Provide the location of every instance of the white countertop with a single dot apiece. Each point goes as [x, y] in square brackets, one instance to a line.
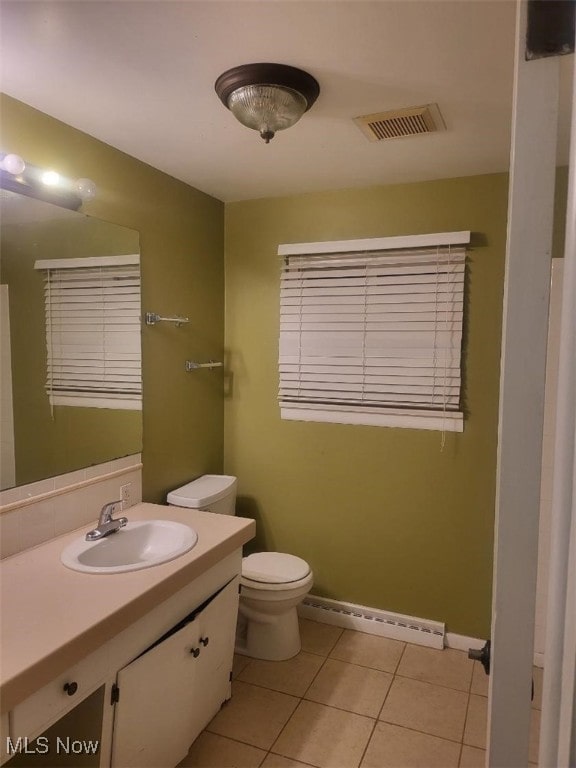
[52, 617]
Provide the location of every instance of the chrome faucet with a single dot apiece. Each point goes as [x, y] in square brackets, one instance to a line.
[106, 523]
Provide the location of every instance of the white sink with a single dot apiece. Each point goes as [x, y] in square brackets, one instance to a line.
[138, 545]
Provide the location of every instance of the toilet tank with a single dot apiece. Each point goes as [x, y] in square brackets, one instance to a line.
[210, 493]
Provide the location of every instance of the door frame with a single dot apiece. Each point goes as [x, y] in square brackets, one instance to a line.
[521, 416]
[558, 728]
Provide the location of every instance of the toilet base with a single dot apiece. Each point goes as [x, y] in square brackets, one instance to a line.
[270, 637]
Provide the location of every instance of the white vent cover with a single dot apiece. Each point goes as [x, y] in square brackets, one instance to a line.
[411, 121]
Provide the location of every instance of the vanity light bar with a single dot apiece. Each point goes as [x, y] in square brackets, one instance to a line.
[16, 175]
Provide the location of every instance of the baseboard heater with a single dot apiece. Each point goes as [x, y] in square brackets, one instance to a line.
[373, 621]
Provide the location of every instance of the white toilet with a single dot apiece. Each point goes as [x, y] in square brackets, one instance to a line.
[272, 583]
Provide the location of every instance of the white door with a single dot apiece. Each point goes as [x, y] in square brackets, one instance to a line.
[530, 215]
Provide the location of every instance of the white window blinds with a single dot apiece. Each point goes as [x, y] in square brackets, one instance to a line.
[373, 337]
[93, 331]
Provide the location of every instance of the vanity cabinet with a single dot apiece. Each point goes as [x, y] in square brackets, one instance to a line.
[164, 677]
[60, 696]
[170, 692]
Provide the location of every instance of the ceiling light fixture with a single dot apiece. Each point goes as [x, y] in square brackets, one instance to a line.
[267, 97]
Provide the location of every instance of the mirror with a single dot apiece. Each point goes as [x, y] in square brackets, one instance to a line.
[37, 441]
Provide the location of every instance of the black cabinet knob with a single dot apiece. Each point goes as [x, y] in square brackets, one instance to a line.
[71, 688]
[195, 652]
[204, 641]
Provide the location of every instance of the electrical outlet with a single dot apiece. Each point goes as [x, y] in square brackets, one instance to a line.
[126, 495]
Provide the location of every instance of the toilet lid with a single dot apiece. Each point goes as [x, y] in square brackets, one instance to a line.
[274, 568]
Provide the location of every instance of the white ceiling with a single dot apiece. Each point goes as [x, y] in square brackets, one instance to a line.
[139, 75]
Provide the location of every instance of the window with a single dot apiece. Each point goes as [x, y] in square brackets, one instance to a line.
[93, 331]
[371, 331]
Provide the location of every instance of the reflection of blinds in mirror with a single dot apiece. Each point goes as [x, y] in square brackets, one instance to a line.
[93, 331]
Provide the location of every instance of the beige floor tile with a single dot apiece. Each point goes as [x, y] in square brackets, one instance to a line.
[394, 747]
[253, 715]
[442, 667]
[537, 675]
[240, 662]
[479, 680]
[317, 637]
[324, 737]
[277, 761]
[350, 687]
[472, 757]
[368, 650]
[476, 722]
[292, 676]
[212, 751]
[432, 709]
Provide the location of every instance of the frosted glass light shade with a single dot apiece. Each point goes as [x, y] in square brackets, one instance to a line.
[267, 97]
[85, 188]
[267, 108]
[13, 164]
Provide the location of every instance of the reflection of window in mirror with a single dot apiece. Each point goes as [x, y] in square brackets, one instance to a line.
[92, 308]
[52, 440]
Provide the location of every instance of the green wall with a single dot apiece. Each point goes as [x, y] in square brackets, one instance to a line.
[181, 245]
[386, 517]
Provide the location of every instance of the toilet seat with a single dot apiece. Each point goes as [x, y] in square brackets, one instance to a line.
[272, 570]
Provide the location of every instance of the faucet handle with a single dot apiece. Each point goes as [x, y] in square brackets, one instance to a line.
[108, 510]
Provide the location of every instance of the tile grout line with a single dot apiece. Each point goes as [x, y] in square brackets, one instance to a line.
[368, 742]
[297, 706]
[425, 733]
[394, 675]
[467, 710]
[280, 732]
[377, 719]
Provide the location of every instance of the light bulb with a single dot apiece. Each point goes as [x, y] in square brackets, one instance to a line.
[85, 188]
[13, 164]
[50, 178]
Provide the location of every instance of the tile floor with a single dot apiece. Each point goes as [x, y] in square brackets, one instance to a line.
[350, 699]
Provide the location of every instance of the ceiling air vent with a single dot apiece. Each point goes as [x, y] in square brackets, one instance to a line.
[410, 121]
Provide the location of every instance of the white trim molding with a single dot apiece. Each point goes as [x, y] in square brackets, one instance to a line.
[375, 244]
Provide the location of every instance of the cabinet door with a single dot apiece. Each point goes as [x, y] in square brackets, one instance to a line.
[152, 722]
[171, 692]
[216, 631]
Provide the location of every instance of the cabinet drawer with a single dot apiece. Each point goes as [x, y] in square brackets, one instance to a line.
[48, 704]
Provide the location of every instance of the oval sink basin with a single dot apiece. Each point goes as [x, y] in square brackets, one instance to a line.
[138, 545]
